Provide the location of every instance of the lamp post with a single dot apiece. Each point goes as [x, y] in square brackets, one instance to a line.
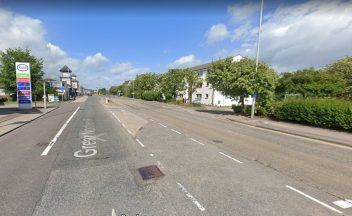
[44, 96]
[257, 57]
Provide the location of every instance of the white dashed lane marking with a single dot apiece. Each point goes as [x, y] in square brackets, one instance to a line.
[234, 159]
[176, 131]
[197, 141]
[140, 143]
[162, 125]
[194, 200]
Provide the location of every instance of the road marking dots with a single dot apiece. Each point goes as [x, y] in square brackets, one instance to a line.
[230, 157]
[162, 125]
[313, 199]
[176, 131]
[194, 200]
[52, 142]
[151, 155]
[152, 120]
[197, 141]
[343, 203]
[140, 143]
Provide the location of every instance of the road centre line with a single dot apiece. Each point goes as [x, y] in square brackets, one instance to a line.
[53, 141]
[230, 157]
[197, 141]
[123, 125]
[129, 131]
[176, 131]
[315, 200]
[162, 125]
[194, 200]
[140, 143]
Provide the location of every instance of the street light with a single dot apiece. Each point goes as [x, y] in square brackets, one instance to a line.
[257, 59]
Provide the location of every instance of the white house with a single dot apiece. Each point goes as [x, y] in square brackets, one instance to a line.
[207, 95]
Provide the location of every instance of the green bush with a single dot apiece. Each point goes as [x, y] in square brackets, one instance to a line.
[237, 109]
[179, 101]
[151, 96]
[327, 113]
[3, 100]
[196, 104]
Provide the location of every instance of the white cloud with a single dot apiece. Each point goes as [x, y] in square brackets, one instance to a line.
[241, 12]
[313, 33]
[185, 61]
[93, 71]
[216, 33]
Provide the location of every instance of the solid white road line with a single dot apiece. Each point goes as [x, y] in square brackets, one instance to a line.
[162, 125]
[197, 141]
[315, 200]
[113, 213]
[176, 131]
[140, 143]
[52, 142]
[194, 200]
[230, 157]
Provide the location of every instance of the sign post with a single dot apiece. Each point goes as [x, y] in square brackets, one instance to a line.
[24, 91]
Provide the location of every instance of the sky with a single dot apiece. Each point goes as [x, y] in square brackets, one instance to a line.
[108, 42]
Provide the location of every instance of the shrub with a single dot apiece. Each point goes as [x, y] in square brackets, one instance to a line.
[3, 100]
[327, 113]
[237, 109]
[151, 96]
[179, 101]
[196, 104]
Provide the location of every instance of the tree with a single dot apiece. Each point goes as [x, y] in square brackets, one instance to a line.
[193, 81]
[172, 82]
[240, 79]
[343, 69]
[8, 68]
[310, 83]
[102, 91]
[146, 82]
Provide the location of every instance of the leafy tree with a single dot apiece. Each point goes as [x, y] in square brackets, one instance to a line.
[102, 91]
[193, 82]
[172, 82]
[145, 82]
[343, 68]
[8, 58]
[240, 79]
[115, 90]
[310, 83]
[37, 94]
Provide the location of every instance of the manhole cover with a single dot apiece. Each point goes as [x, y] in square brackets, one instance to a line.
[217, 141]
[150, 172]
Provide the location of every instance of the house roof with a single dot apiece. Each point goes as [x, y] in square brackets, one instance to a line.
[65, 69]
[207, 65]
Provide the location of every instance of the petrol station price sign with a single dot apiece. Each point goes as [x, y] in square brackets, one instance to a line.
[24, 91]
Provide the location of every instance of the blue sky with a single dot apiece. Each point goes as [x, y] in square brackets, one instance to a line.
[108, 42]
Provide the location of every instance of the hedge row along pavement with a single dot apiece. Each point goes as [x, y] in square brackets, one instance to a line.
[327, 113]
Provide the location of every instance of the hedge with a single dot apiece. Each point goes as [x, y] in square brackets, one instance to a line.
[327, 113]
[237, 109]
[151, 96]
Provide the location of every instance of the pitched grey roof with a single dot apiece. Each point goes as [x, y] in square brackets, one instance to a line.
[65, 69]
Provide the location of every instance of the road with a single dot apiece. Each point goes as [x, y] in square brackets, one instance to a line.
[84, 158]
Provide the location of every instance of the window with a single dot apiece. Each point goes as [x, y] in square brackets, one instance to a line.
[199, 96]
[207, 84]
[206, 96]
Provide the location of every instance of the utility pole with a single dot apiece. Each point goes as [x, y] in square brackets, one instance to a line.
[257, 59]
[44, 94]
[133, 88]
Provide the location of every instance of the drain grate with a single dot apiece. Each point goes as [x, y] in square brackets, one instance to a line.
[150, 172]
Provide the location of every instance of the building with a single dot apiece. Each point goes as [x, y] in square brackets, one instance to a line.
[207, 95]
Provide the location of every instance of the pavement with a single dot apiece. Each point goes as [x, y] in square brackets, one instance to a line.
[84, 159]
[12, 118]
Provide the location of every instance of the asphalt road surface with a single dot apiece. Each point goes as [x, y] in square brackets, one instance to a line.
[84, 159]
